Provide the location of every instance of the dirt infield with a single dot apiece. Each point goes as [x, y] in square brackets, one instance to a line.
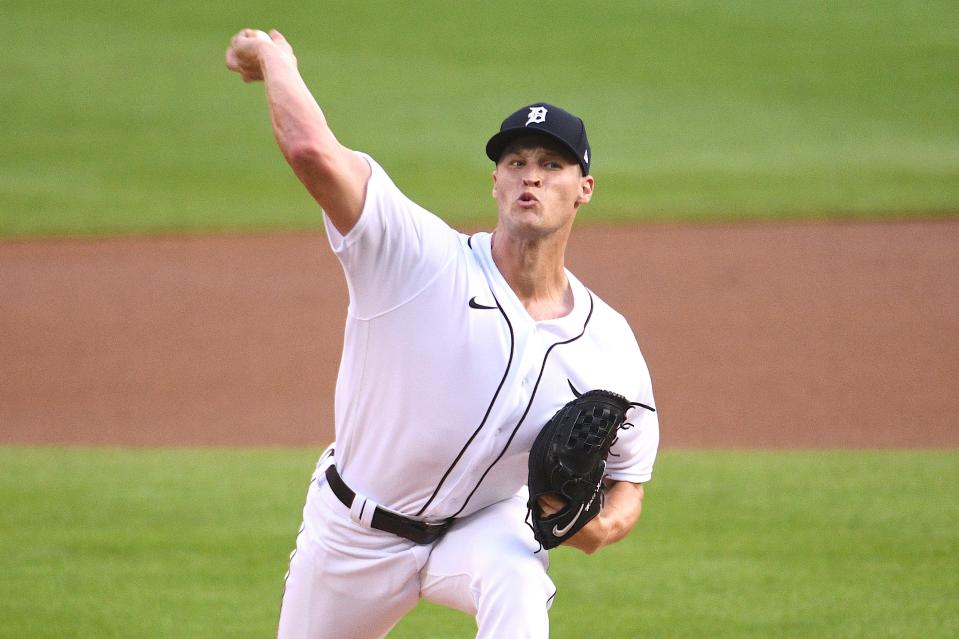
[758, 336]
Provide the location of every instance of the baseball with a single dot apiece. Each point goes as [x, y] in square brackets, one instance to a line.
[263, 35]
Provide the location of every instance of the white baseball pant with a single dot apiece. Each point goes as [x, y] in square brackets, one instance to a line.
[348, 581]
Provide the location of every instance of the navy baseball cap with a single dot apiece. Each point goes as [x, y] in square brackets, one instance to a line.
[548, 120]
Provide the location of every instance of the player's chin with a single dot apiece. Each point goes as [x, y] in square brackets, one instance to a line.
[527, 216]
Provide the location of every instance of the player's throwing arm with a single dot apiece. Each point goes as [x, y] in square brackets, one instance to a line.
[334, 175]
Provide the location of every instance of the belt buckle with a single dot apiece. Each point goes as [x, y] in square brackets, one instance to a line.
[432, 530]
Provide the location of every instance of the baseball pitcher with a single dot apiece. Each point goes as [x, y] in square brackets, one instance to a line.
[489, 406]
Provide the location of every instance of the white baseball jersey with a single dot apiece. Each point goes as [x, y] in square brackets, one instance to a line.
[446, 380]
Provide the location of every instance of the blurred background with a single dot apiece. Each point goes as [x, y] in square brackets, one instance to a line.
[120, 117]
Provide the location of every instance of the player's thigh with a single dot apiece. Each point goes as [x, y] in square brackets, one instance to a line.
[491, 553]
[345, 581]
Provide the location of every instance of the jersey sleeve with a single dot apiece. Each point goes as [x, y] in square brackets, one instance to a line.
[394, 251]
[632, 457]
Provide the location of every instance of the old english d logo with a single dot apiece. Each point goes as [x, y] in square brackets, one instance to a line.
[537, 114]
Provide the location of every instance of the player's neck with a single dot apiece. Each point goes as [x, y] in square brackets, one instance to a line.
[534, 269]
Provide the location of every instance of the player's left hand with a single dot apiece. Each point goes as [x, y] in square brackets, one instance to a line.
[589, 538]
[247, 48]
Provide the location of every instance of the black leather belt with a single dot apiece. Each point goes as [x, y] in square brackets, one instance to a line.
[419, 532]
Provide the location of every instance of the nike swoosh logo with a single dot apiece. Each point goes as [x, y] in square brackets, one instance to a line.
[475, 304]
[559, 532]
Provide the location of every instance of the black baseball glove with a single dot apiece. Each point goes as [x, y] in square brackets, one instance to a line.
[568, 460]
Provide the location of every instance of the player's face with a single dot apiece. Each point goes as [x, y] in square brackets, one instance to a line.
[538, 188]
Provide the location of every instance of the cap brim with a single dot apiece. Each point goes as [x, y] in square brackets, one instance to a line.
[498, 143]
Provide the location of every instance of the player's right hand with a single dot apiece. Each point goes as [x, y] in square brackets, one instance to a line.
[247, 48]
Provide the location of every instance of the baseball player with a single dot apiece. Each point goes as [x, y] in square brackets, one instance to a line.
[457, 350]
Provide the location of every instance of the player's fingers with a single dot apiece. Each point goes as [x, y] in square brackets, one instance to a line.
[235, 40]
[234, 63]
[232, 60]
[549, 504]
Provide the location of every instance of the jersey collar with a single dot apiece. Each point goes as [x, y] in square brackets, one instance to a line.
[564, 327]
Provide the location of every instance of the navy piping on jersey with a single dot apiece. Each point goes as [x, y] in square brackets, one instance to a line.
[529, 405]
[489, 409]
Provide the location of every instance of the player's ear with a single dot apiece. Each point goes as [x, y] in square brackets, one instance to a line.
[586, 185]
[494, 182]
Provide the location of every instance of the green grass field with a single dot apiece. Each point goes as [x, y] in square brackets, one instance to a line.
[193, 543]
[123, 119]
